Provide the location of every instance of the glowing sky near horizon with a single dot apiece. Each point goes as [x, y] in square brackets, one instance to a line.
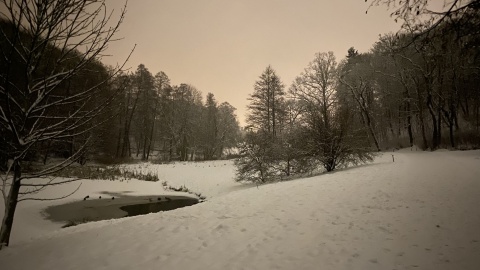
[222, 46]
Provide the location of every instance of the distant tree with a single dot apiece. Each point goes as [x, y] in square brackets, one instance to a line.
[161, 82]
[398, 95]
[127, 105]
[357, 76]
[44, 46]
[211, 128]
[168, 122]
[421, 79]
[220, 128]
[144, 117]
[351, 53]
[187, 110]
[228, 128]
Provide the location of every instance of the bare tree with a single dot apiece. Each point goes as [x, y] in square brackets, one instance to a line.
[127, 105]
[422, 16]
[46, 44]
[317, 84]
[325, 125]
[358, 80]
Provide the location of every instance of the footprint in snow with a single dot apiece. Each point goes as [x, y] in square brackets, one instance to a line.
[220, 228]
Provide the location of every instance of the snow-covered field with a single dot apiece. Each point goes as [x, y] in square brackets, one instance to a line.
[420, 212]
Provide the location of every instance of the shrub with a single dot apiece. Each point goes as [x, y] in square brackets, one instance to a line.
[105, 173]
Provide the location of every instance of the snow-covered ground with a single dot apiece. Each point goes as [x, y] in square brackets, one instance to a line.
[209, 178]
[420, 212]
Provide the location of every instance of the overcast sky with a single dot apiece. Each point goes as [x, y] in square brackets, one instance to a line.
[222, 46]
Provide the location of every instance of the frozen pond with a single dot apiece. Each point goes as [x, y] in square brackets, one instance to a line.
[110, 208]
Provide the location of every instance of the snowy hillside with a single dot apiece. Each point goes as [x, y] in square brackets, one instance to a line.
[420, 212]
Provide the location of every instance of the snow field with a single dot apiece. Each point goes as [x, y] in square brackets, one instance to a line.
[417, 213]
[212, 178]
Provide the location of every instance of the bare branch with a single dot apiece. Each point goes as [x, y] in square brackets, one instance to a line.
[51, 199]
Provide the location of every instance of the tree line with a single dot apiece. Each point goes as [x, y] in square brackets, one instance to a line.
[417, 88]
[106, 114]
[168, 122]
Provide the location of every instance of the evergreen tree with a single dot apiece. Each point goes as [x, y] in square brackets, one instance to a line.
[261, 149]
[266, 103]
[210, 130]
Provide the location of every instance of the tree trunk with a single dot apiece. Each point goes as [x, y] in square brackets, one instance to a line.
[10, 206]
[477, 115]
[422, 120]
[183, 153]
[274, 132]
[452, 139]
[45, 156]
[372, 132]
[422, 128]
[126, 139]
[151, 140]
[450, 116]
[439, 125]
[366, 119]
[72, 147]
[389, 113]
[399, 126]
[128, 121]
[144, 152]
[409, 117]
[150, 143]
[434, 122]
[409, 129]
[288, 166]
[268, 109]
[455, 119]
[137, 143]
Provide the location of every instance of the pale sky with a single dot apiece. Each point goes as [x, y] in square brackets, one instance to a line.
[222, 46]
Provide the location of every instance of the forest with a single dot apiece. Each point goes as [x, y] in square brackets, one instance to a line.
[417, 88]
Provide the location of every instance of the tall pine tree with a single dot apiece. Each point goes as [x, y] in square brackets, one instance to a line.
[266, 103]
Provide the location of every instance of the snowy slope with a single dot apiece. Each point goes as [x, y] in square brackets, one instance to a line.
[212, 178]
[420, 212]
